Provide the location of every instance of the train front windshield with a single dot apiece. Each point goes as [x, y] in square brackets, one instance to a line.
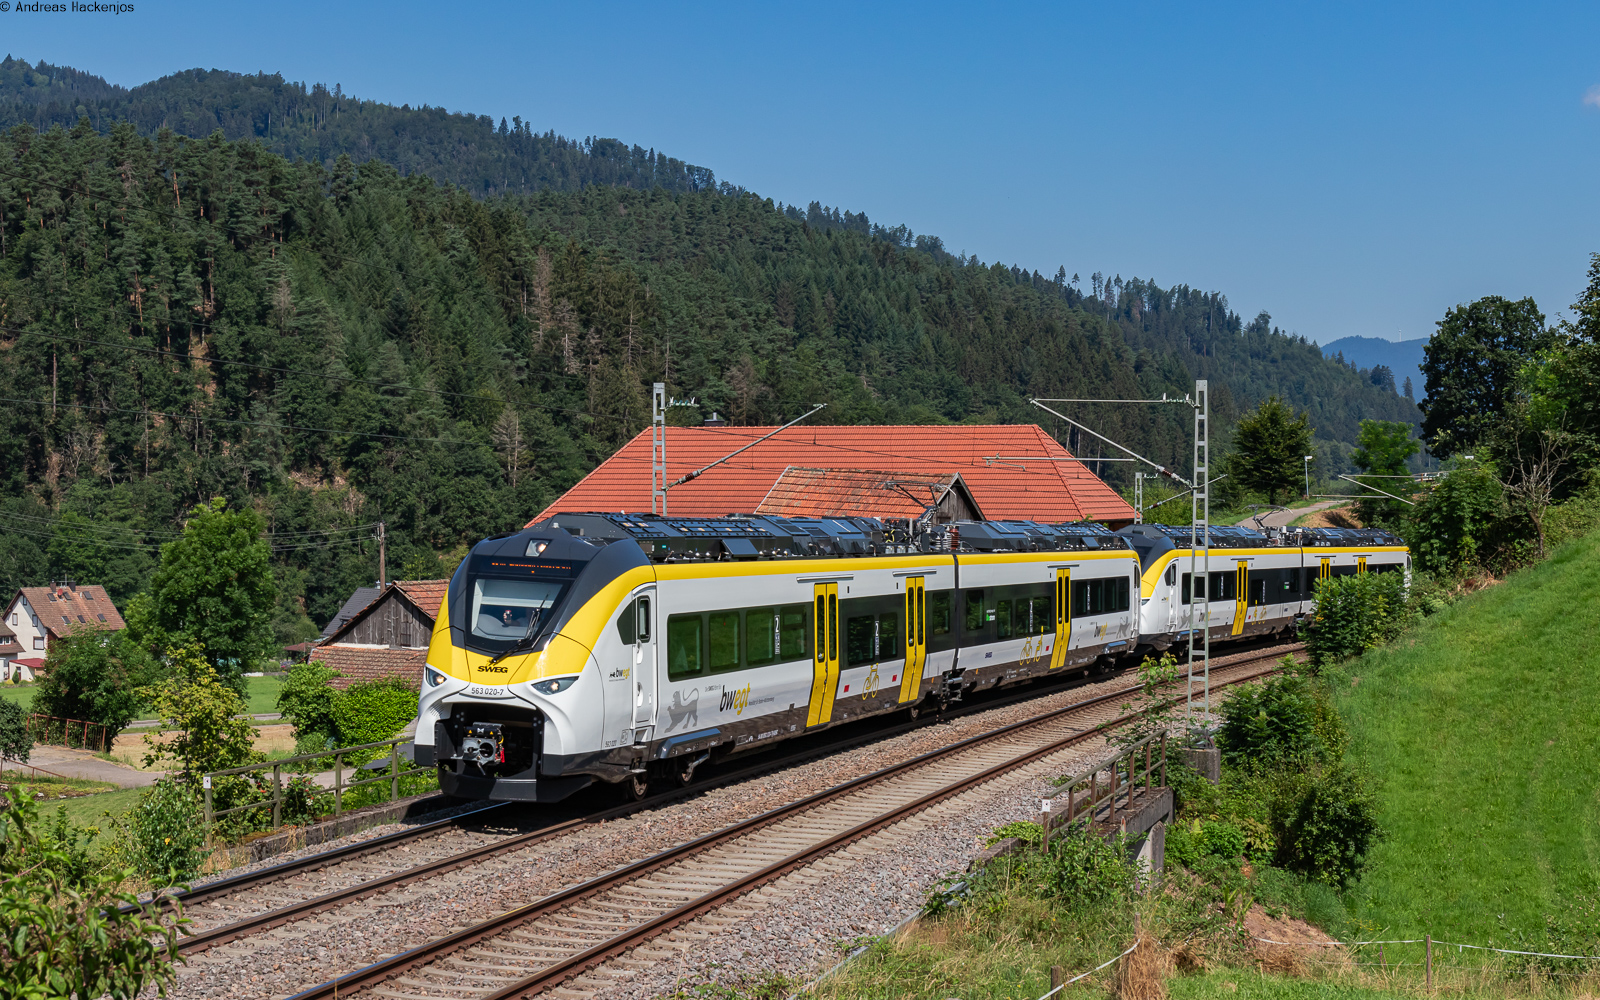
[505, 610]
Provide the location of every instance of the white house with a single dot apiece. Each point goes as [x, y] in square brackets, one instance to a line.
[37, 616]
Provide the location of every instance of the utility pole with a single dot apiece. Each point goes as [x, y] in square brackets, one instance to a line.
[1200, 532]
[1138, 498]
[382, 552]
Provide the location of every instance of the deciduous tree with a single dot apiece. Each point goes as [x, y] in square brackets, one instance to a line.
[1270, 445]
[1471, 364]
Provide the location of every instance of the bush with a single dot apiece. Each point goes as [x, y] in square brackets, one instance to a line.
[164, 835]
[303, 801]
[63, 931]
[1285, 718]
[1325, 821]
[194, 701]
[14, 740]
[1222, 839]
[307, 700]
[1462, 522]
[371, 712]
[1355, 614]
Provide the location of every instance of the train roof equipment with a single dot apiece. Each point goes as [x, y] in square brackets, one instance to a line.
[748, 536]
[1154, 540]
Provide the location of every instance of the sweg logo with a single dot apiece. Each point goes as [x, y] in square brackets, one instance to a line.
[738, 700]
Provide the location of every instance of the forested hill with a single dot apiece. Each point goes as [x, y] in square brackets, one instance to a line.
[182, 319]
[318, 124]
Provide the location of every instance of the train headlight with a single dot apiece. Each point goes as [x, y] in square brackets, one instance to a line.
[434, 677]
[554, 684]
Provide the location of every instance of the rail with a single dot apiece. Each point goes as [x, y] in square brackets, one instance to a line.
[43, 729]
[340, 786]
[1122, 765]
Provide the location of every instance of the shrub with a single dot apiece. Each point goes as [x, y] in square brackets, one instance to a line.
[1355, 614]
[1272, 721]
[307, 700]
[63, 929]
[194, 701]
[1461, 522]
[164, 835]
[373, 711]
[14, 740]
[1222, 839]
[1325, 821]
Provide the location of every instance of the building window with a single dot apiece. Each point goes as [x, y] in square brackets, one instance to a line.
[38, 642]
[102, 617]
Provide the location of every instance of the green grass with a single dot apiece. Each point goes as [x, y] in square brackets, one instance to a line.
[84, 810]
[22, 694]
[1249, 984]
[1482, 730]
[262, 693]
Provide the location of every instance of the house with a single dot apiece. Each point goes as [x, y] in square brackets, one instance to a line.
[37, 616]
[997, 471]
[388, 637]
[362, 597]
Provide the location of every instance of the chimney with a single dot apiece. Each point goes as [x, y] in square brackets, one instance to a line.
[715, 420]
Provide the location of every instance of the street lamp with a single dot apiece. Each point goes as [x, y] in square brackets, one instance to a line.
[1308, 475]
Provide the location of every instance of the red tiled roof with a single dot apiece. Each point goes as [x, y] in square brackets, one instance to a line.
[427, 595]
[801, 492]
[1023, 484]
[73, 608]
[363, 663]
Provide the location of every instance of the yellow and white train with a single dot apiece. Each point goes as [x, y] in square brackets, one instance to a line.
[632, 649]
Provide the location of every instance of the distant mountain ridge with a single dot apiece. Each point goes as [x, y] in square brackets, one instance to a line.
[1404, 357]
[318, 124]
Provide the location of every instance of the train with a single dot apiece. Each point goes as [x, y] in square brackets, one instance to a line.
[632, 649]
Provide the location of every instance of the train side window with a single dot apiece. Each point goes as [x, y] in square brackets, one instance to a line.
[723, 633]
[1123, 594]
[627, 623]
[792, 632]
[833, 626]
[760, 636]
[891, 639]
[644, 619]
[685, 658]
[975, 617]
[1183, 595]
[1172, 576]
[858, 640]
[939, 612]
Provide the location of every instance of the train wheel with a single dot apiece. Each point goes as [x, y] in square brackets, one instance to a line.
[683, 772]
[914, 711]
[635, 787]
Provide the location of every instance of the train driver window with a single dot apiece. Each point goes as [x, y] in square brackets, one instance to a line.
[684, 655]
[975, 620]
[627, 623]
[939, 612]
[1172, 575]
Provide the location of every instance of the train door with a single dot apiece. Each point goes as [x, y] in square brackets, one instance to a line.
[825, 664]
[1241, 595]
[644, 665]
[1327, 568]
[1063, 606]
[1361, 565]
[916, 638]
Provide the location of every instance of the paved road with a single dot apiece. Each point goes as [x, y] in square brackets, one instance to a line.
[1281, 518]
[83, 764]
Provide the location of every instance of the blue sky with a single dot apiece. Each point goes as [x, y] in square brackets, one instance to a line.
[1354, 170]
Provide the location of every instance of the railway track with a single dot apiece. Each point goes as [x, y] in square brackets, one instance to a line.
[245, 905]
[570, 933]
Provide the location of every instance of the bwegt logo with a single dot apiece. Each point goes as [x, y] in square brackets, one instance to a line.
[737, 699]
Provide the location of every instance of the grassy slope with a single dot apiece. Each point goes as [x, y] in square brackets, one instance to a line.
[1482, 728]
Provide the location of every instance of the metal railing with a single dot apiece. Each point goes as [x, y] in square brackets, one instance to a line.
[340, 786]
[44, 729]
[1123, 782]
